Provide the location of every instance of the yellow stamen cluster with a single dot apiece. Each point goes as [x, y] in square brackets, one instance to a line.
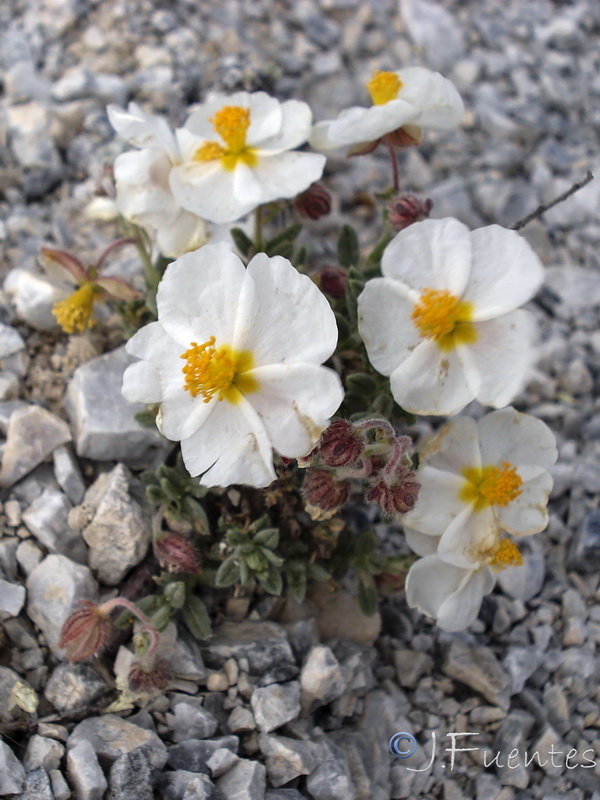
[443, 317]
[231, 123]
[220, 372]
[491, 485]
[383, 87]
[74, 314]
[507, 555]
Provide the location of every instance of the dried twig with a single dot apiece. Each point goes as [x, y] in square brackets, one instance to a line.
[546, 206]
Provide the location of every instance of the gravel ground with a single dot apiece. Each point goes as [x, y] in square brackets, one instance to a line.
[299, 707]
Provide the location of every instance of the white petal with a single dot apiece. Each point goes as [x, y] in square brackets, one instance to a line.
[454, 448]
[295, 128]
[433, 254]
[520, 439]
[367, 124]
[141, 383]
[231, 447]
[421, 543]
[436, 98]
[184, 233]
[385, 325]
[470, 540]
[430, 381]
[506, 273]
[462, 607]
[293, 320]
[527, 513]
[265, 116]
[143, 192]
[142, 130]
[287, 174]
[294, 402]
[503, 354]
[214, 193]
[430, 581]
[199, 295]
[439, 502]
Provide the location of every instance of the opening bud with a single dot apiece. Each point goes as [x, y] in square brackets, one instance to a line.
[313, 203]
[86, 632]
[332, 281]
[176, 553]
[323, 494]
[341, 444]
[148, 677]
[405, 210]
[396, 493]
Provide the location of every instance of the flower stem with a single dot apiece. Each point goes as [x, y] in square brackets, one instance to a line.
[395, 175]
[113, 246]
[374, 256]
[122, 602]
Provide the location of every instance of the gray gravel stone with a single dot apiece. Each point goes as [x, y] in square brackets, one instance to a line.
[331, 780]
[521, 663]
[321, 678]
[275, 705]
[194, 754]
[119, 533]
[60, 788]
[246, 780]
[37, 785]
[435, 30]
[12, 598]
[84, 771]
[410, 666]
[479, 669]
[184, 785]
[104, 423]
[32, 435]
[68, 474]
[263, 644]
[220, 762]
[12, 774]
[73, 686]
[11, 341]
[111, 737]
[134, 774]
[526, 581]
[43, 752]
[10, 685]
[241, 720]
[511, 735]
[47, 519]
[53, 590]
[584, 555]
[192, 722]
[286, 759]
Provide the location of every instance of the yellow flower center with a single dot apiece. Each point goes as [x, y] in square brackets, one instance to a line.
[490, 486]
[74, 313]
[220, 372]
[383, 87]
[231, 123]
[507, 554]
[443, 317]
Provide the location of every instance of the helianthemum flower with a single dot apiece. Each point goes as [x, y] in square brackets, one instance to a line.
[238, 153]
[444, 321]
[144, 195]
[404, 102]
[478, 479]
[75, 314]
[235, 362]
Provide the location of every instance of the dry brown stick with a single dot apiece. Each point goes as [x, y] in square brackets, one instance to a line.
[547, 206]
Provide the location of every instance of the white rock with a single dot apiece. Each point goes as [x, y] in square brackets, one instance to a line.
[32, 435]
[11, 341]
[33, 296]
[12, 598]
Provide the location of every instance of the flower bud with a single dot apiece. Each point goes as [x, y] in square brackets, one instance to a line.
[176, 553]
[405, 210]
[148, 677]
[86, 632]
[341, 444]
[332, 281]
[313, 203]
[323, 494]
[395, 494]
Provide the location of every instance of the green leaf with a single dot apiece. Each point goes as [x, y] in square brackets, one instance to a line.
[175, 594]
[154, 494]
[367, 598]
[271, 581]
[228, 573]
[365, 543]
[269, 537]
[316, 572]
[295, 572]
[168, 490]
[147, 419]
[244, 573]
[300, 257]
[256, 561]
[361, 383]
[162, 617]
[288, 235]
[196, 618]
[343, 327]
[196, 514]
[276, 560]
[243, 243]
[348, 248]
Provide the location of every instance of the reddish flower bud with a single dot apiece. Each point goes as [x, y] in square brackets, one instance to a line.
[176, 553]
[390, 583]
[86, 632]
[323, 493]
[403, 211]
[148, 677]
[332, 281]
[313, 203]
[397, 493]
[341, 444]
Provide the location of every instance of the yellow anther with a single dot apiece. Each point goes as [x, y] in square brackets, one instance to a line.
[220, 372]
[491, 486]
[443, 317]
[383, 87]
[74, 314]
[507, 555]
[231, 123]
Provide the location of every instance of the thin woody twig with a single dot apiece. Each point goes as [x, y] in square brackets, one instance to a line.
[547, 206]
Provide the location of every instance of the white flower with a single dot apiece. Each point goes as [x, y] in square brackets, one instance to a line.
[234, 360]
[480, 478]
[444, 321]
[236, 155]
[404, 102]
[144, 195]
